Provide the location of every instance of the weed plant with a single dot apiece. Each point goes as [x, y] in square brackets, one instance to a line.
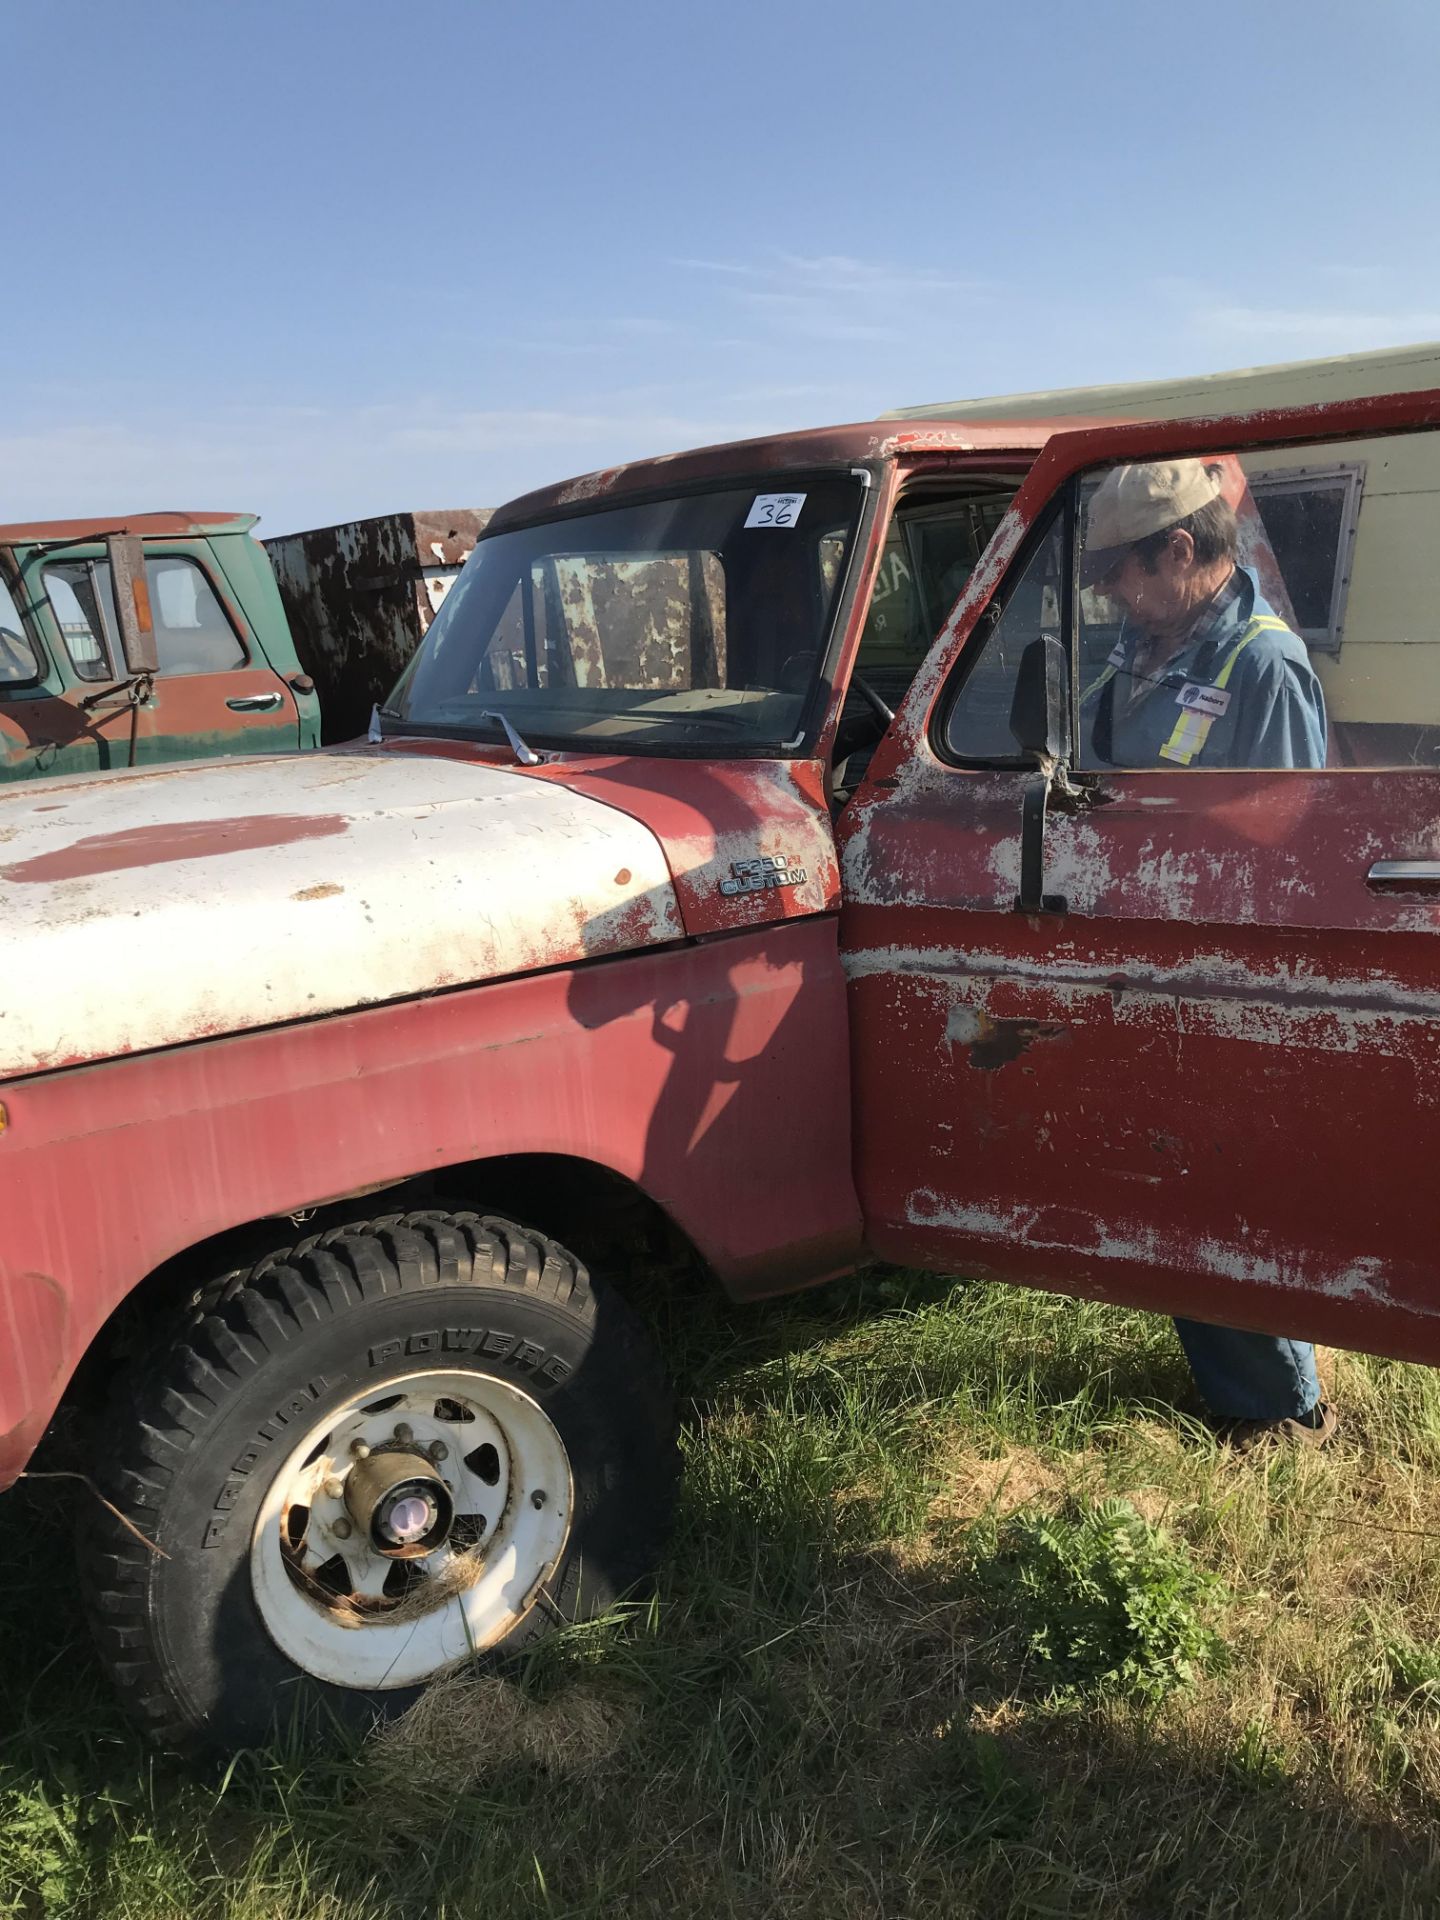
[940, 1635]
[1102, 1599]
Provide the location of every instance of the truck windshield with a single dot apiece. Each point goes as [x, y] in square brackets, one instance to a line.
[698, 621]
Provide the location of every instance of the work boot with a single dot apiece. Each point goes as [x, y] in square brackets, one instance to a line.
[1314, 1429]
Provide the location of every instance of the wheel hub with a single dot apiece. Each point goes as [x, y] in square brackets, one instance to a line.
[400, 1503]
[414, 1526]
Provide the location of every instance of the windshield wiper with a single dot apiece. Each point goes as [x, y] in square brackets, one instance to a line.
[527, 756]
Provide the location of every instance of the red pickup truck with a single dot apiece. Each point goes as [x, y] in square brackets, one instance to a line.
[732, 863]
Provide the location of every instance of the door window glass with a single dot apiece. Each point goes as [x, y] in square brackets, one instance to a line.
[1275, 609]
[930, 552]
[977, 726]
[192, 633]
[18, 664]
[79, 592]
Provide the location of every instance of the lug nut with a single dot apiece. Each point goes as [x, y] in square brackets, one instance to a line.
[341, 1528]
[334, 1488]
[359, 1449]
[439, 1451]
[539, 1497]
[404, 1434]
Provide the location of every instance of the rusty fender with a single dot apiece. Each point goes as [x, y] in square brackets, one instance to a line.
[714, 1076]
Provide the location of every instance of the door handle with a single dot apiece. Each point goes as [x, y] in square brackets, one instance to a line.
[255, 702]
[1404, 873]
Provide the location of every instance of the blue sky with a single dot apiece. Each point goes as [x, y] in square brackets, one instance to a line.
[323, 260]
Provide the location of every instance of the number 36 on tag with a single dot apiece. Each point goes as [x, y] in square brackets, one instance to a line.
[775, 509]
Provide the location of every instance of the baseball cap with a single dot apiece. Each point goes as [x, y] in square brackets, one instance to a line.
[1134, 501]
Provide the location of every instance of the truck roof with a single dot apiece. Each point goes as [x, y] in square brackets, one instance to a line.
[150, 526]
[814, 447]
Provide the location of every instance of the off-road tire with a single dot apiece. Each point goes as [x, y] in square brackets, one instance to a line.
[192, 1443]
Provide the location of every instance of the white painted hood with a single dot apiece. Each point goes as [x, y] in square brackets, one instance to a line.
[146, 909]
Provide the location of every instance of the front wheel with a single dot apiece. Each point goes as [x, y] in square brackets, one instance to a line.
[370, 1458]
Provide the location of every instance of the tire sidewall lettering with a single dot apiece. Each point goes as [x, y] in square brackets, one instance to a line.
[541, 1371]
[512, 1351]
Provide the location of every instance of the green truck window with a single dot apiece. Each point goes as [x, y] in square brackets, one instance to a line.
[18, 665]
[192, 632]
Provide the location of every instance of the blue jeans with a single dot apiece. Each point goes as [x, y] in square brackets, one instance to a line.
[1250, 1376]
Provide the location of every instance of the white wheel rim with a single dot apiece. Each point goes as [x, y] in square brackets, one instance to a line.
[369, 1622]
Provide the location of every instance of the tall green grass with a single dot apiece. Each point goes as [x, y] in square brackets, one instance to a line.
[828, 1708]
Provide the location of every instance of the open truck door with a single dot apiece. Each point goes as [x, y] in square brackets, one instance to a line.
[1195, 1063]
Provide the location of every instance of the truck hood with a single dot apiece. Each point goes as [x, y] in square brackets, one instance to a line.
[152, 908]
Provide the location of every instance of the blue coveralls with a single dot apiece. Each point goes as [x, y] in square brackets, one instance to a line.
[1240, 693]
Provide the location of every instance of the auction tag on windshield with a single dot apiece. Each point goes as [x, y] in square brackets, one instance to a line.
[775, 509]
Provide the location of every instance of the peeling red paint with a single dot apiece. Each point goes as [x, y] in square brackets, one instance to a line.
[153, 846]
[711, 816]
[677, 1069]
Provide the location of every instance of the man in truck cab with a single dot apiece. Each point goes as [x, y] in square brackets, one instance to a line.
[1204, 674]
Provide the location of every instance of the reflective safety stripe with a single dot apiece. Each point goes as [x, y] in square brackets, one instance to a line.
[1100, 681]
[1192, 729]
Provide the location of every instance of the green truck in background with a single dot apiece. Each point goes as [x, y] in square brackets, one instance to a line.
[202, 659]
[154, 637]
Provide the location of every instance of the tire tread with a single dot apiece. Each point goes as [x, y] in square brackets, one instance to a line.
[250, 1314]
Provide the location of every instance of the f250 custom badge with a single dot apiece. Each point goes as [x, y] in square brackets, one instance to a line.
[758, 876]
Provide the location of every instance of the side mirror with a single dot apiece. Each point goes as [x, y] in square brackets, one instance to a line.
[1038, 717]
[126, 554]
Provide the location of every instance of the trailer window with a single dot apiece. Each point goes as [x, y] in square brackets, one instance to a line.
[1310, 514]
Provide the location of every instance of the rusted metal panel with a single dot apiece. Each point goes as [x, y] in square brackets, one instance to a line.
[149, 526]
[1169, 1120]
[121, 727]
[679, 1070]
[360, 596]
[250, 892]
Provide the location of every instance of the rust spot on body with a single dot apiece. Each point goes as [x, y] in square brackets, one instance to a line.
[179, 840]
[326, 890]
[995, 1043]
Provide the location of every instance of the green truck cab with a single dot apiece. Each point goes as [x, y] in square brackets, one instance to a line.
[191, 658]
